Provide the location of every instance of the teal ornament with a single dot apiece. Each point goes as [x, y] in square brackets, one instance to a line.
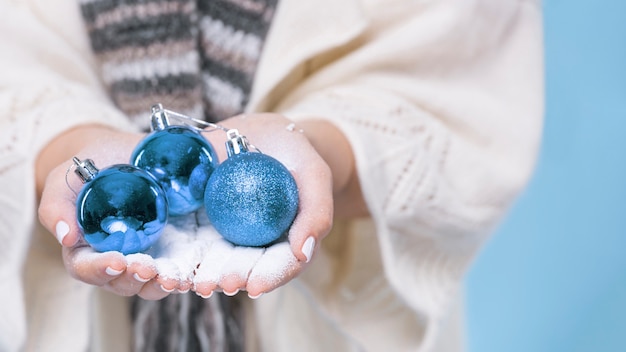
[251, 198]
[179, 158]
[120, 208]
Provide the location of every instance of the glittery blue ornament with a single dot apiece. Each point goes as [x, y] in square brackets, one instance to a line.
[251, 199]
[179, 158]
[120, 208]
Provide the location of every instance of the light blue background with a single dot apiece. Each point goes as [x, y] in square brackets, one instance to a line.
[553, 278]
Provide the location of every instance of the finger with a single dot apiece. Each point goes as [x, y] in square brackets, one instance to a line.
[140, 270]
[124, 287]
[57, 208]
[171, 277]
[209, 272]
[276, 267]
[127, 284]
[315, 212]
[185, 286]
[181, 248]
[91, 267]
[141, 267]
[204, 289]
[237, 268]
[167, 284]
[154, 290]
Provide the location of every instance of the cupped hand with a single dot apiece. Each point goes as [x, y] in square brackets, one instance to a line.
[260, 270]
[57, 212]
[190, 254]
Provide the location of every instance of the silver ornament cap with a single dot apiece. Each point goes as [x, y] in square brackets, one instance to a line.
[158, 120]
[236, 143]
[85, 169]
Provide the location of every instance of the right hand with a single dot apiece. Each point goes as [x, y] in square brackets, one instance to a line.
[57, 213]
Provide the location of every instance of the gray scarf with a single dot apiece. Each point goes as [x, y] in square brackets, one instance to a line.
[197, 57]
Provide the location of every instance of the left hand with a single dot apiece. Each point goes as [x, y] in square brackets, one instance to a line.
[260, 270]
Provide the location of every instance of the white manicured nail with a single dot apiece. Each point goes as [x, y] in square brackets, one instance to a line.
[231, 293]
[256, 296]
[139, 278]
[113, 272]
[62, 229]
[205, 296]
[166, 290]
[307, 248]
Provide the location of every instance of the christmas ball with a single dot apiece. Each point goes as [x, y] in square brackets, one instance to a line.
[181, 160]
[121, 208]
[251, 199]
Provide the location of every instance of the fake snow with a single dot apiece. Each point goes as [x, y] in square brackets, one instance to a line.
[191, 250]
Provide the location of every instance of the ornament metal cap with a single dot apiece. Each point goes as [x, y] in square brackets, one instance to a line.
[236, 143]
[159, 120]
[85, 169]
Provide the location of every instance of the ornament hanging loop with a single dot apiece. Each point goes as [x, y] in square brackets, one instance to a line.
[160, 120]
[67, 182]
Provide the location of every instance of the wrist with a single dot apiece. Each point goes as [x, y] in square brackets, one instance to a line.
[333, 146]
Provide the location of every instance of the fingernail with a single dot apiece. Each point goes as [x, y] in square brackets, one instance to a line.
[204, 296]
[231, 293]
[139, 278]
[255, 296]
[113, 272]
[307, 248]
[166, 290]
[62, 229]
[183, 291]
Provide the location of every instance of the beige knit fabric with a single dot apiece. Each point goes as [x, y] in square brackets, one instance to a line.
[442, 104]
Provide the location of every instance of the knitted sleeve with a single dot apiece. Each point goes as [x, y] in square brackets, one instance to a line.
[47, 86]
[442, 106]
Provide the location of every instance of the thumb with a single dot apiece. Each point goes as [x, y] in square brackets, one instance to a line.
[315, 214]
[57, 208]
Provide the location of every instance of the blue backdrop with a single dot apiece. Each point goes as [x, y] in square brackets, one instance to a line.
[553, 278]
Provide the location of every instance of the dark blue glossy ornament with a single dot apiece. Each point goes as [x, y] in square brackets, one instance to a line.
[179, 158]
[251, 199]
[120, 208]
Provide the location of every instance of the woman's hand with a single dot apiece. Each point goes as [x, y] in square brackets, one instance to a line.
[190, 254]
[57, 212]
[257, 270]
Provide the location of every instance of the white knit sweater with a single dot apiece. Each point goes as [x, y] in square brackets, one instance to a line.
[442, 104]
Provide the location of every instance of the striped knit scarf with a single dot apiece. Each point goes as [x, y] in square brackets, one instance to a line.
[197, 57]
